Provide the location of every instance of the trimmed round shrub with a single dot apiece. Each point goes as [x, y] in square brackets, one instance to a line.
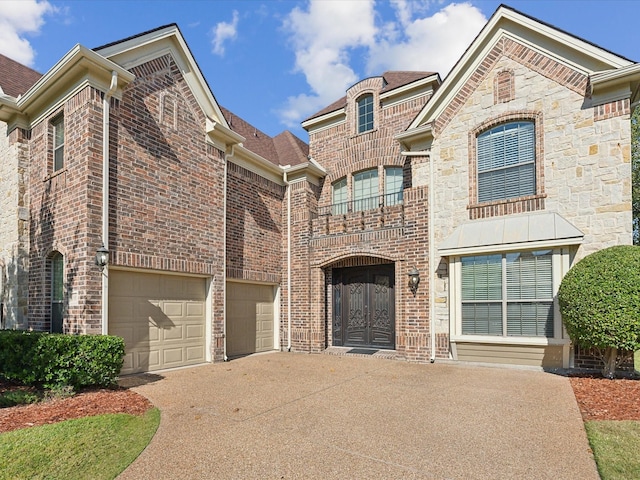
[600, 302]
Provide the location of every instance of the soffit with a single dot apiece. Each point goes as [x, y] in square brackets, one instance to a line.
[533, 230]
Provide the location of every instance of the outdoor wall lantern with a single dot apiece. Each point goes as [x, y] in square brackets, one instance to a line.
[102, 257]
[414, 280]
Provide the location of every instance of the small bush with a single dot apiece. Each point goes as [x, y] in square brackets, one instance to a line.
[52, 360]
[600, 302]
[17, 397]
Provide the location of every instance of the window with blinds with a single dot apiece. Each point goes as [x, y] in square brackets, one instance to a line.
[506, 161]
[508, 295]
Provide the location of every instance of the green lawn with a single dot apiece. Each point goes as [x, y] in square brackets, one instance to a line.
[99, 447]
[615, 446]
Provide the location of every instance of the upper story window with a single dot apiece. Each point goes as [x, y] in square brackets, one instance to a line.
[365, 190]
[506, 157]
[58, 143]
[392, 185]
[365, 113]
[339, 200]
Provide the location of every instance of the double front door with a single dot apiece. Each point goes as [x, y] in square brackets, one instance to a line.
[363, 306]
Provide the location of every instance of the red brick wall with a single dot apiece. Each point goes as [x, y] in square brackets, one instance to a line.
[396, 234]
[65, 215]
[254, 226]
[166, 183]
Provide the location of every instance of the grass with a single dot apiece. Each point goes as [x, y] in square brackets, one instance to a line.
[615, 446]
[99, 447]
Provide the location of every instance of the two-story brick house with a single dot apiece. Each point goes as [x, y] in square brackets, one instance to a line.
[222, 241]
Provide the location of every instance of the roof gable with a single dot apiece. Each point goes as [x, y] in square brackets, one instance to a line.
[391, 81]
[527, 40]
[168, 39]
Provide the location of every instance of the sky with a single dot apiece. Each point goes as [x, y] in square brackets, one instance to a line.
[277, 62]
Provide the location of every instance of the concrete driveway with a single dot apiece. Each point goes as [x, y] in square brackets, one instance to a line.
[286, 415]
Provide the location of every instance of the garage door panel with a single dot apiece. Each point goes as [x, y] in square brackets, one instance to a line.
[173, 334]
[194, 354]
[161, 317]
[194, 331]
[250, 318]
[174, 309]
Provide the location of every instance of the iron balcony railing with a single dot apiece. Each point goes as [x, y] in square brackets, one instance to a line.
[362, 204]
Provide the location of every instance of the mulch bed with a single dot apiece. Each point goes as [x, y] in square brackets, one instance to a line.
[84, 404]
[603, 399]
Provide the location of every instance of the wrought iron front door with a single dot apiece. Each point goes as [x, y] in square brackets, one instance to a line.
[363, 313]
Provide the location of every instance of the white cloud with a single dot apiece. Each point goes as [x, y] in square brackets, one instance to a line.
[323, 37]
[432, 43]
[326, 34]
[17, 19]
[224, 31]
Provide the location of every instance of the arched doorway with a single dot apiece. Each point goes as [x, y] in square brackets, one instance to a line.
[364, 306]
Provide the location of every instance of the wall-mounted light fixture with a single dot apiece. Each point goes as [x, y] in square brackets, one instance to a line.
[414, 280]
[102, 257]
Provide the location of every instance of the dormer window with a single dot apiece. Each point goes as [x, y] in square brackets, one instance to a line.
[365, 113]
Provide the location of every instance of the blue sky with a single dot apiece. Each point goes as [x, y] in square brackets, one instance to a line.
[275, 62]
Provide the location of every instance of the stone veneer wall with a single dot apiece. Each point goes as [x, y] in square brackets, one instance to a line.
[587, 175]
[14, 234]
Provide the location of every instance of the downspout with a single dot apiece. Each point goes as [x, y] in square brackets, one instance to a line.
[105, 196]
[224, 257]
[432, 259]
[288, 185]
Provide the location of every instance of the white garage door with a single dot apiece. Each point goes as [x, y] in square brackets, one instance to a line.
[160, 317]
[250, 318]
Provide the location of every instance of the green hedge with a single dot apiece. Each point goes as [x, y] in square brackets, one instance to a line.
[52, 360]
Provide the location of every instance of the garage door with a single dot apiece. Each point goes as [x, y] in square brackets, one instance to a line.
[250, 318]
[160, 317]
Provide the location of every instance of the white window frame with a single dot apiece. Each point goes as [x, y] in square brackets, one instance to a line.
[366, 115]
[561, 260]
[366, 190]
[58, 142]
[339, 197]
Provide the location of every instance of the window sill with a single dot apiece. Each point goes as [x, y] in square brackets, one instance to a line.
[509, 206]
[542, 341]
[54, 174]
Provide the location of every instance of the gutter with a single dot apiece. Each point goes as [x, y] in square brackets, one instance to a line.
[105, 196]
[224, 257]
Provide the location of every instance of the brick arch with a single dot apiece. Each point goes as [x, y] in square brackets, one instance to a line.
[370, 254]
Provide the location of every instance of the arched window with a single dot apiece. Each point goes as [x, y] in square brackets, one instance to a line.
[365, 113]
[506, 157]
[56, 265]
[339, 200]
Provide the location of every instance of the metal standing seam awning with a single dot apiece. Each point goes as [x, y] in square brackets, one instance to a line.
[516, 232]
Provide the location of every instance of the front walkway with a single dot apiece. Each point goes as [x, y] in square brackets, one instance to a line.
[286, 415]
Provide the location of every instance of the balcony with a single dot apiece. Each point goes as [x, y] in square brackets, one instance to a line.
[366, 214]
